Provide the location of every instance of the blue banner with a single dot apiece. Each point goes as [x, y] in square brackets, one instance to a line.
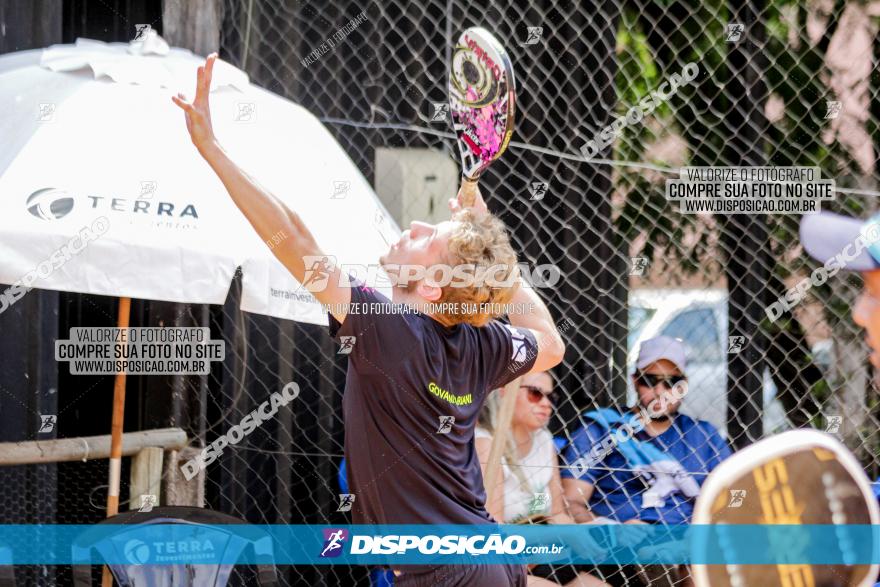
[393, 545]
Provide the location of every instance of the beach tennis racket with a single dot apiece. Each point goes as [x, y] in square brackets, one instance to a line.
[794, 478]
[482, 97]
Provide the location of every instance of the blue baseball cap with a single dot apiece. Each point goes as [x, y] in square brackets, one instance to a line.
[856, 241]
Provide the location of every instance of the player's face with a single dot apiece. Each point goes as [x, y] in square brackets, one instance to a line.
[659, 371]
[866, 313]
[533, 406]
[421, 244]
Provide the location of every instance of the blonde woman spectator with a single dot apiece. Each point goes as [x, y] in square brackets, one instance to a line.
[529, 487]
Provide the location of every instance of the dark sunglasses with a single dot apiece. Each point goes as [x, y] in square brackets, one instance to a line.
[536, 394]
[651, 380]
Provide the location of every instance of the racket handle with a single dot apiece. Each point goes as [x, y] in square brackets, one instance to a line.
[467, 195]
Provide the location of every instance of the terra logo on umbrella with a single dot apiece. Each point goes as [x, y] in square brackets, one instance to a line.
[50, 203]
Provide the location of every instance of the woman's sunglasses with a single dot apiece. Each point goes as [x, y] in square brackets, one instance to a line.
[536, 394]
[651, 380]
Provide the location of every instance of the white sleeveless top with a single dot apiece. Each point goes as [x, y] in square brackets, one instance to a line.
[537, 467]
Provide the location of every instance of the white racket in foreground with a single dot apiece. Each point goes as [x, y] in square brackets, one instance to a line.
[797, 477]
[481, 100]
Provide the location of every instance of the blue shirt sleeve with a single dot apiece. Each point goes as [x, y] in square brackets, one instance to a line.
[717, 447]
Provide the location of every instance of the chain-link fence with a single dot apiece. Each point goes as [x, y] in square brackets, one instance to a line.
[782, 84]
[778, 84]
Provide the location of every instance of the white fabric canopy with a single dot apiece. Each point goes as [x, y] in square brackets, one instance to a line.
[89, 131]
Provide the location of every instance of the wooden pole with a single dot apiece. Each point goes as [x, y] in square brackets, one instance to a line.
[116, 433]
[82, 448]
[499, 438]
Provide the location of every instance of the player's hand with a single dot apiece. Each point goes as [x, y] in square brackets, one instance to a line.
[198, 112]
[469, 191]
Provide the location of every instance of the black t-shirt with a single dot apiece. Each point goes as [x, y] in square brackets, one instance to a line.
[407, 374]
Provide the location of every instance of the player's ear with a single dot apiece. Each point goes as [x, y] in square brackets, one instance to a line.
[431, 293]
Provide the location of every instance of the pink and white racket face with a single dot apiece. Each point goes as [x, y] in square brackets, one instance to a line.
[481, 99]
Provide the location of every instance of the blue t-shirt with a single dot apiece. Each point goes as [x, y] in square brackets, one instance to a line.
[617, 492]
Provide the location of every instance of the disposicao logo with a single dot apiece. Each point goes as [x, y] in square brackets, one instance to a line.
[333, 541]
[476, 545]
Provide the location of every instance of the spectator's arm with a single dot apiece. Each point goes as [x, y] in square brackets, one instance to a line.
[496, 508]
[577, 495]
[577, 479]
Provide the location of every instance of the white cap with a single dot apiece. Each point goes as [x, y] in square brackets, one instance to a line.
[662, 347]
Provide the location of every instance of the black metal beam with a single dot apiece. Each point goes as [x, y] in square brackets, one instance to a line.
[745, 237]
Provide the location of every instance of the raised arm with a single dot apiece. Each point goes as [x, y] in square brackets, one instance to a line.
[551, 347]
[266, 213]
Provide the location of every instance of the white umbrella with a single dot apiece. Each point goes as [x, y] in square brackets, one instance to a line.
[90, 131]
[101, 191]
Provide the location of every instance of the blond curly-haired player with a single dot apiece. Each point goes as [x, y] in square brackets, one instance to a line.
[409, 371]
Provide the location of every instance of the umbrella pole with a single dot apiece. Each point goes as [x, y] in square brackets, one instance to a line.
[116, 433]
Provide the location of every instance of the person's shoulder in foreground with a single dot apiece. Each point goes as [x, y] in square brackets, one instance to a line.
[851, 244]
